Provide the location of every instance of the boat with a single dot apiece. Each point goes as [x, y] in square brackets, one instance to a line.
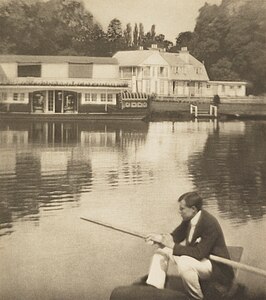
[174, 288]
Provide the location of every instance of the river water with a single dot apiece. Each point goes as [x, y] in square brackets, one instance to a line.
[130, 175]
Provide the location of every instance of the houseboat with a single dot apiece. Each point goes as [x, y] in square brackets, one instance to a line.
[63, 86]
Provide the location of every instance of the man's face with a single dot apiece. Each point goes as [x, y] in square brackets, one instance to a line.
[187, 213]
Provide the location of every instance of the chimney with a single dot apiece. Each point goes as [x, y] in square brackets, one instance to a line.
[184, 54]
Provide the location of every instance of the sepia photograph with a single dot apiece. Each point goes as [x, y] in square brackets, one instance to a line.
[132, 149]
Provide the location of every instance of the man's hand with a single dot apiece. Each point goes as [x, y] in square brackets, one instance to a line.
[165, 240]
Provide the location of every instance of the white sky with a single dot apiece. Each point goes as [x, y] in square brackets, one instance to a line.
[170, 16]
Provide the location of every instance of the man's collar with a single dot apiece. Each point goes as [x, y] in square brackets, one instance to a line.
[195, 219]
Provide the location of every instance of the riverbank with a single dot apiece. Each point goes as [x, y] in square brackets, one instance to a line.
[248, 108]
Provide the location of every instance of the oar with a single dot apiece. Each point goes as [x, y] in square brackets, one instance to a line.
[225, 261]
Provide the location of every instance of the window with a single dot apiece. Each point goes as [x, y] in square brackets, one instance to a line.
[15, 97]
[161, 87]
[103, 97]
[18, 97]
[147, 86]
[109, 97]
[208, 86]
[29, 70]
[162, 72]
[93, 97]
[198, 71]
[146, 71]
[127, 72]
[80, 70]
[50, 101]
[87, 97]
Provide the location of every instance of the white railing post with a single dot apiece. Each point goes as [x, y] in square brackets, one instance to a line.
[194, 109]
[213, 110]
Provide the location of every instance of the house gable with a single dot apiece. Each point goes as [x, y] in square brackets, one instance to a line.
[155, 59]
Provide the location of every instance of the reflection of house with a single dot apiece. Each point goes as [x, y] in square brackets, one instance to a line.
[171, 74]
[58, 84]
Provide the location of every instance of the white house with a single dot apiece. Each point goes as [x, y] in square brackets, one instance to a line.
[171, 74]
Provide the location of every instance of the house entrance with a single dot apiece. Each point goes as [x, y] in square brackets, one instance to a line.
[54, 101]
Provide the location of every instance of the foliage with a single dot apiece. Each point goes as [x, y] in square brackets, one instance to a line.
[231, 41]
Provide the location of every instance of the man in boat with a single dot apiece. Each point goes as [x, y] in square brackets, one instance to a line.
[189, 247]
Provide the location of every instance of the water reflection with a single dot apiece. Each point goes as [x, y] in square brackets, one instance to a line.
[46, 165]
[231, 170]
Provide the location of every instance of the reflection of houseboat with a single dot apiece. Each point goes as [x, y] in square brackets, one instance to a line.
[61, 86]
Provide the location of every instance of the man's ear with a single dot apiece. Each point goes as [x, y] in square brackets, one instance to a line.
[194, 209]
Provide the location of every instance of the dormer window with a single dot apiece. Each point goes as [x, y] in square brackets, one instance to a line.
[29, 70]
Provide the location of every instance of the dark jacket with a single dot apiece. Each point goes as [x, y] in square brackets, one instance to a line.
[211, 242]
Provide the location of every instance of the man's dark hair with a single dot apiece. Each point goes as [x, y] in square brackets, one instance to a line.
[192, 199]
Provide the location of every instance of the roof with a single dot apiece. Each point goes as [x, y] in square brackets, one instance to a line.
[57, 59]
[173, 59]
[138, 57]
[133, 57]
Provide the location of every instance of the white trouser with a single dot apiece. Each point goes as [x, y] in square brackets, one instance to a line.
[189, 270]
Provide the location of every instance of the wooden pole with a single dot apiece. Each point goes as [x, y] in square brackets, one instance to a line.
[222, 260]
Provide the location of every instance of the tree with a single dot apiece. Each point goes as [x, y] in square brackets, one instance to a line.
[222, 70]
[114, 30]
[141, 34]
[184, 39]
[115, 37]
[231, 40]
[152, 32]
[128, 35]
[53, 27]
[136, 35]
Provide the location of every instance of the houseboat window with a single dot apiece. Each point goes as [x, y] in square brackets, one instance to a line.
[18, 97]
[103, 97]
[240, 86]
[93, 97]
[50, 101]
[25, 70]
[87, 97]
[109, 97]
[79, 70]
[208, 86]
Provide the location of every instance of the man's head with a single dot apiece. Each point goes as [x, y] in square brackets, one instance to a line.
[189, 204]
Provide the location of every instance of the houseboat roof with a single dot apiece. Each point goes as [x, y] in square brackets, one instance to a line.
[57, 59]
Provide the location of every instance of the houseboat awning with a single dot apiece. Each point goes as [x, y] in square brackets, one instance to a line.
[134, 96]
